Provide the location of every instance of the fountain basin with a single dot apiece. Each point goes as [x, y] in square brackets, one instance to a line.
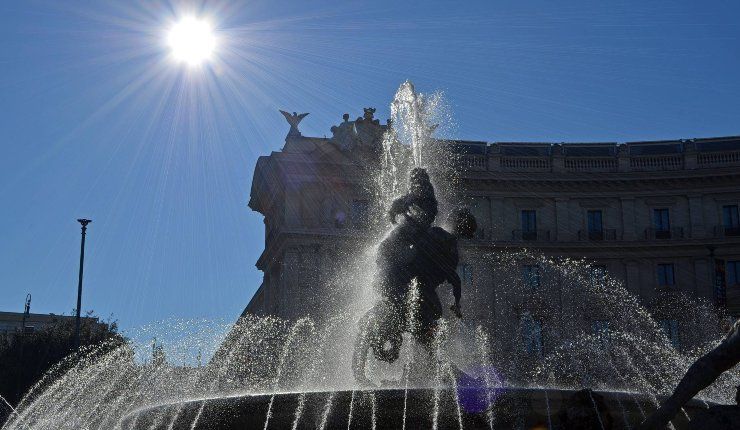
[521, 408]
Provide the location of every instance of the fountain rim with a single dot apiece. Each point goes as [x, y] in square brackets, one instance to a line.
[621, 394]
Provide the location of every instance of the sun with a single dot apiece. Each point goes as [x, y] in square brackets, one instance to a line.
[191, 40]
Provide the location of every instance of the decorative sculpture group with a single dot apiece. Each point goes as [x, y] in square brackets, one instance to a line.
[413, 250]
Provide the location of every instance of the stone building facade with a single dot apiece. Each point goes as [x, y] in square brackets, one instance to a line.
[661, 216]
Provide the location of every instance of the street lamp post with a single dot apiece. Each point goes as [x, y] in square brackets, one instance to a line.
[84, 223]
[26, 313]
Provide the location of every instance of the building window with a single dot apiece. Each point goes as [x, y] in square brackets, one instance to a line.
[665, 275]
[466, 274]
[730, 216]
[529, 224]
[360, 214]
[340, 218]
[595, 225]
[662, 223]
[730, 220]
[598, 274]
[670, 328]
[531, 276]
[733, 272]
[532, 335]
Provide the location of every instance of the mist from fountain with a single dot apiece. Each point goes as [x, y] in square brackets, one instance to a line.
[470, 371]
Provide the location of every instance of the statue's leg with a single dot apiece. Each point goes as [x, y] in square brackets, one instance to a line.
[429, 312]
[362, 347]
[380, 330]
[387, 332]
[699, 376]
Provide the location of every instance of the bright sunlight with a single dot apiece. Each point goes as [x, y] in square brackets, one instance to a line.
[191, 40]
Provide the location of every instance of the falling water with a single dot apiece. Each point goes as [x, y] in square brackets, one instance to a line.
[171, 424]
[547, 407]
[405, 394]
[624, 414]
[9, 406]
[410, 143]
[482, 343]
[373, 411]
[327, 411]
[197, 415]
[437, 378]
[351, 410]
[596, 409]
[287, 349]
[455, 395]
[299, 410]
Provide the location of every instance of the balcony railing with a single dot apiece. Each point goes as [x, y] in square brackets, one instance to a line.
[513, 164]
[726, 231]
[657, 162]
[722, 159]
[530, 236]
[664, 234]
[473, 162]
[597, 235]
[591, 164]
[606, 158]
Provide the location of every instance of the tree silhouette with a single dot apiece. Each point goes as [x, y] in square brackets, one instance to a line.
[26, 357]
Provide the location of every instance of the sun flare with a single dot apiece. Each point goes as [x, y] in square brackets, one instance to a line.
[191, 41]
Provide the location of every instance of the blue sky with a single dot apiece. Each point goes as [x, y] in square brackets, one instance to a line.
[98, 122]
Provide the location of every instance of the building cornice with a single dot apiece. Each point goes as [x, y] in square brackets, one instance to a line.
[336, 238]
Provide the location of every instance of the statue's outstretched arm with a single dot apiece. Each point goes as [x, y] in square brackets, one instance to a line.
[454, 279]
[699, 376]
[456, 287]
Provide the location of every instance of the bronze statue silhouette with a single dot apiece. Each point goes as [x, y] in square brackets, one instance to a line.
[293, 120]
[700, 375]
[412, 250]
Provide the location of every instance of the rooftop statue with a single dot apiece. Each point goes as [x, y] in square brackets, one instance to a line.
[293, 120]
[368, 114]
[700, 375]
[361, 136]
[413, 250]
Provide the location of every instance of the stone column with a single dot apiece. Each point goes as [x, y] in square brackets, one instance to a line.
[628, 218]
[558, 160]
[690, 159]
[494, 158]
[696, 215]
[488, 210]
[562, 219]
[292, 204]
[703, 277]
[268, 291]
[632, 276]
[623, 158]
[498, 231]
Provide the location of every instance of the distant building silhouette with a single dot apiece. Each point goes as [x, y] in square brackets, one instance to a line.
[11, 323]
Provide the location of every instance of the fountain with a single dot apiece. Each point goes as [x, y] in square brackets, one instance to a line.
[269, 373]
